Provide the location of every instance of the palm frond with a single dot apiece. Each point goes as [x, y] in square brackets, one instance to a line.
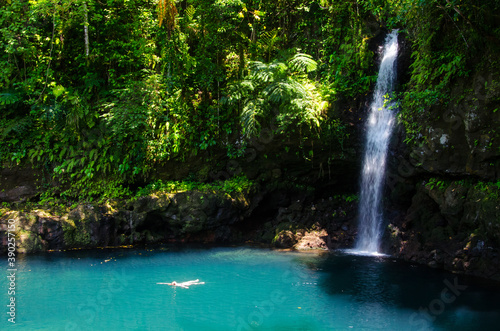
[167, 13]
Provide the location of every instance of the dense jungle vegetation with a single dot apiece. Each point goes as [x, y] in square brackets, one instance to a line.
[97, 93]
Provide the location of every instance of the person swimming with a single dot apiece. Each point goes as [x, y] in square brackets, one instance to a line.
[184, 284]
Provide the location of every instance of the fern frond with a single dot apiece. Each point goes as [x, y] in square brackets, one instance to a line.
[249, 122]
[297, 89]
[260, 72]
[269, 38]
[302, 62]
[279, 69]
[279, 92]
[18, 126]
[8, 98]
[237, 92]
[283, 85]
[190, 11]
[267, 41]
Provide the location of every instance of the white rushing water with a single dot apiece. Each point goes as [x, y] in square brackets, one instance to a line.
[378, 132]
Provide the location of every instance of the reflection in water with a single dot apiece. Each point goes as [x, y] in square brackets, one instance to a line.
[379, 287]
[246, 288]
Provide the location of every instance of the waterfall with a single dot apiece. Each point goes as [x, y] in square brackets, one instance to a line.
[378, 131]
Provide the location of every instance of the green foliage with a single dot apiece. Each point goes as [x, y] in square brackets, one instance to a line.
[72, 190]
[151, 87]
[231, 187]
[165, 80]
[280, 87]
[351, 198]
[347, 197]
[350, 63]
[450, 38]
[436, 183]
[491, 189]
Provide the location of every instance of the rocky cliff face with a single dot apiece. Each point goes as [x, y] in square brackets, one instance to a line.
[462, 138]
[157, 218]
[18, 184]
[443, 190]
[451, 225]
[289, 221]
[304, 198]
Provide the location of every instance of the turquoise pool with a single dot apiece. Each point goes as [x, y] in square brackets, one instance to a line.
[245, 289]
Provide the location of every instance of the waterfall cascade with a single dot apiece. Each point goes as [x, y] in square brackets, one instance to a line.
[378, 131]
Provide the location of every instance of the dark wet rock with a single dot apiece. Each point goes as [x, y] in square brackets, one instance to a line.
[453, 226]
[285, 239]
[18, 184]
[450, 218]
[17, 194]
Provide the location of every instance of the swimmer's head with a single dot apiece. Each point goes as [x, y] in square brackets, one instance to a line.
[174, 283]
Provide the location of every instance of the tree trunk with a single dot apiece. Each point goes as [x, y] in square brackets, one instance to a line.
[86, 28]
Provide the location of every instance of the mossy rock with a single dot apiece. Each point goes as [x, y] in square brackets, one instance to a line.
[482, 210]
[76, 234]
[285, 239]
[27, 220]
[155, 201]
[30, 242]
[286, 226]
[268, 233]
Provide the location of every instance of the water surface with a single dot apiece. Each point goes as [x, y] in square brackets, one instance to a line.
[245, 289]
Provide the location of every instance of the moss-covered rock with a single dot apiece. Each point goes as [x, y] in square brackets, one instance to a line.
[76, 234]
[459, 219]
[482, 211]
[29, 242]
